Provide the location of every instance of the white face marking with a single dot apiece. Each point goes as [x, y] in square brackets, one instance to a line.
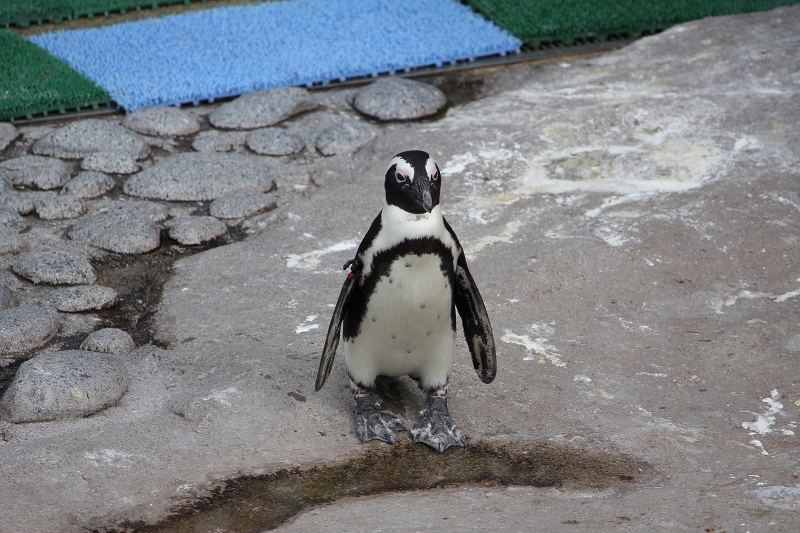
[403, 170]
[431, 168]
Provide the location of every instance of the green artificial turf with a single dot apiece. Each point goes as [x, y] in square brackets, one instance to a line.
[22, 13]
[538, 21]
[33, 82]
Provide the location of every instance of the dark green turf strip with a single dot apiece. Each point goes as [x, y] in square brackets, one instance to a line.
[538, 21]
[22, 13]
[33, 82]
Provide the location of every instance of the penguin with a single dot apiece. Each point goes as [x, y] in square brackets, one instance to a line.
[396, 312]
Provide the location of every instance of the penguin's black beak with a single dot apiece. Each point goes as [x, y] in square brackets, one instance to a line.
[423, 189]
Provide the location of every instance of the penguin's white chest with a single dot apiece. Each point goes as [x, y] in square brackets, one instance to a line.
[407, 328]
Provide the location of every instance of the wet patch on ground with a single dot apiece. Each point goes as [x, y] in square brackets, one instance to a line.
[259, 503]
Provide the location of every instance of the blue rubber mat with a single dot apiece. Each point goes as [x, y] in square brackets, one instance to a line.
[230, 51]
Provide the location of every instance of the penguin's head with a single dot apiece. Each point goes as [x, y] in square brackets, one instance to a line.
[413, 182]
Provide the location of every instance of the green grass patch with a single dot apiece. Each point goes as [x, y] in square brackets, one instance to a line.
[22, 13]
[33, 82]
[538, 21]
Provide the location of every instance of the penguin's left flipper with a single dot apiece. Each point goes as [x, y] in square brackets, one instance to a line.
[335, 327]
[474, 318]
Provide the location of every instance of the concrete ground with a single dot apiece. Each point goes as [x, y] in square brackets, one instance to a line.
[631, 221]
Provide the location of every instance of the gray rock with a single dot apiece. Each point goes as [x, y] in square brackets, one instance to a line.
[5, 186]
[7, 298]
[242, 205]
[82, 298]
[12, 220]
[274, 141]
[35, 171]
[200, 176]
[110, 163]
[345, 136]
[50, 206]
[196, 230]
[109, 340]
[55, 268]
[219, 141]
[124, 232]
[263, 108]
[161, 121]
[26, 328]
[22, 203]
[81, 139]
[150, 210]
[11, 242]
[399, 99]
[7, 134]
[88, 184]
[68, 384]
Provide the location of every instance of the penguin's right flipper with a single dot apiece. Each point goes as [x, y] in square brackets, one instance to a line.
[335, 327]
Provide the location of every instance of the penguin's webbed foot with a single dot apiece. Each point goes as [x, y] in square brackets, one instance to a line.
[372, 423]
[435, 427]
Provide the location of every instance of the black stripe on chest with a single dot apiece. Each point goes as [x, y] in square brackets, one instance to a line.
[381, 266]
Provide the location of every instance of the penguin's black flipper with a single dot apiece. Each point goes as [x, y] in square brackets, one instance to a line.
[335, 327]
[474, 318]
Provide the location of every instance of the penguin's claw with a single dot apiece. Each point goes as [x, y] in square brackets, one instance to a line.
[378, 425]
[435, 427]
[374, 424]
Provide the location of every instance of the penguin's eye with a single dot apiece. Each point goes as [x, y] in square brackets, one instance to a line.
[400, 177]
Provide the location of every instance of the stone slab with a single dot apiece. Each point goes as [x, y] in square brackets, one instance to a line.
[262, 108]
[26, 328]
[201, 176]
[55, 268]
[109, 340]
[399, 99]
[82, 298]
[162, 122]
[195, 230]
[35, 171]
[110, 163]
[88, 184]
[80, 139]
[68, 384]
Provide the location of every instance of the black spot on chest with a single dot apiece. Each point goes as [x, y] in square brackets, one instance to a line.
[381, 267]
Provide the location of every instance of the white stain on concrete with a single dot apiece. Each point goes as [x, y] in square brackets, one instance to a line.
[758, 444]
[763, 423]
[307, 325]
[108, 457]
[508, 233]
[310, 260]
[538, 349]
[222, 396]
[779, 496]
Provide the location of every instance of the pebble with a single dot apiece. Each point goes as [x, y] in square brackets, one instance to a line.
[262, 108]
[12, 220]
[88, 184]
[124, 232]
[162, 121]
[11, 242]
[109, 340]
[345, 136]
[110, 163]
[66, 384]
[7, 298]
[85, 137]
[399, 99]
[7, 134]
[196, 230]
[26, 328]
[82, 298]
[55, 268]
[274, 141]
[50, 206]
[36, 171]
[22, 203]
[201, 176]
[242, 205]
[219, 141]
